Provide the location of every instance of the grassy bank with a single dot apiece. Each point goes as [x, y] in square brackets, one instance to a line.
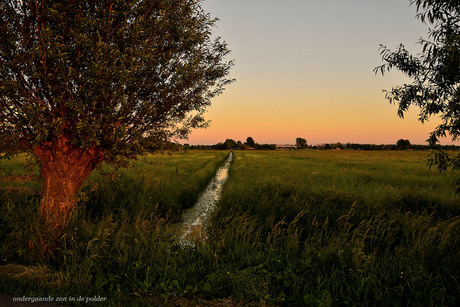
[164, 183]
[161, 183]
[119, 219]
[292, 228]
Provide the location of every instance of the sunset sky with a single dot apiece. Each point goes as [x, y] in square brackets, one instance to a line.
[304, 68]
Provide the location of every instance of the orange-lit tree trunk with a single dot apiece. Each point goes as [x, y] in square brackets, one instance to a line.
[64, 168]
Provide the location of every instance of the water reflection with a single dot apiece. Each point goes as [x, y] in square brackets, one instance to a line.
[195, 219]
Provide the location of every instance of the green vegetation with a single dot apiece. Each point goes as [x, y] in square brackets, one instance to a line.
[292, 228]
[435, 75]
[341, 226]
[86, 82]
[162, 183]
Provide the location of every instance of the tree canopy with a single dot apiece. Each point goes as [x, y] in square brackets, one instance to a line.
[106, 74]
[402, 144]
[435, 73]
[301, 143]
[250, 142]
[230, 144]
[88, 81]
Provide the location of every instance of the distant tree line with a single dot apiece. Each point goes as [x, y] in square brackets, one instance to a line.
[301, 143]
[400, 145]
[232, 144]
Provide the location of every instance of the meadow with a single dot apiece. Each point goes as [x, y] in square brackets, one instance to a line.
[341, 227]
[292, 228]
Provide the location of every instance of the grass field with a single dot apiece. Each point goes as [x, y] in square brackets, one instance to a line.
[342, 227]
[292, 228]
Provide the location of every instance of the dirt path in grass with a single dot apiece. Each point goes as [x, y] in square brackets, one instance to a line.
[196, 218]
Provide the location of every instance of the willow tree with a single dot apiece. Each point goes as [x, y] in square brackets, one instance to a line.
[83, 82]
[435, 74]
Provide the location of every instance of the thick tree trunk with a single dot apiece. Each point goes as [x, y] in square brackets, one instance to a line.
[64, 168]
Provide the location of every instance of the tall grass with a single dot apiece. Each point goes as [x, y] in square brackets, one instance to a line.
[293, 228]
[341, 228]
[164, 183]
[283, 183]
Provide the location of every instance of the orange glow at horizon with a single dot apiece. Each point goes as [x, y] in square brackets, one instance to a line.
[305, 70]
[318, 116]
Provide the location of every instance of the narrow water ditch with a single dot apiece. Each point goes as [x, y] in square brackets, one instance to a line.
[195, 219]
